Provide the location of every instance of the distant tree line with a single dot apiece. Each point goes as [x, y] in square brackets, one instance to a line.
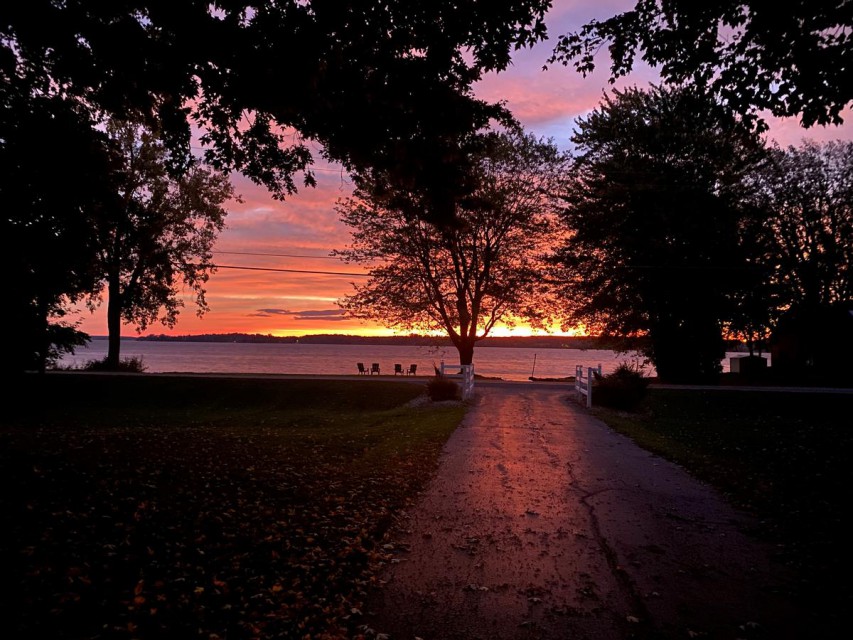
[527, 342]
[220, 337]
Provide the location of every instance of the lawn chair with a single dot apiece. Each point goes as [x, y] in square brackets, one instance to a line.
[398, 368]
[362, 370]
[412, 370]
[374, 368]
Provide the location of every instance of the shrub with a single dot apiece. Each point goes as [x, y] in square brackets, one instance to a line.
[622, 389]
[440, 388]
[133, 364]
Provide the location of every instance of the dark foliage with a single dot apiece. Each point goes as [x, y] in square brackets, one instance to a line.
[624, 388]
[792, 58]
[47, 245]
[62, 338]
[440, 388]
[658, 195]
[801, 252]
[379, 84]
[126, 365]
[805, 242]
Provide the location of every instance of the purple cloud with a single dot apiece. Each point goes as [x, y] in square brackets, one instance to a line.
[267, 313]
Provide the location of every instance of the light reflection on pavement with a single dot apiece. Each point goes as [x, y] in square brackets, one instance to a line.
[543, 523]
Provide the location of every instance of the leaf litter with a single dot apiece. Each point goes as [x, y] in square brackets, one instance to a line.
[134, 527]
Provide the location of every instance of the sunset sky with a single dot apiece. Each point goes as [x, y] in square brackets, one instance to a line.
[546, 102]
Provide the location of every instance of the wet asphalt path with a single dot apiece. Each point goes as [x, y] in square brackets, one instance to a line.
[543, 523]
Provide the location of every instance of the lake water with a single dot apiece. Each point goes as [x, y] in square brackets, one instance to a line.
[225, 357]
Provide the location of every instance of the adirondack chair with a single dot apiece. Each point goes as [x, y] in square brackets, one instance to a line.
[412, 370]
[398, 368]
[362, 370]
[374, 368]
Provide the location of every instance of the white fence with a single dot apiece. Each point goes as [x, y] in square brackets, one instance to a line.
[583, 385]
[465, 374]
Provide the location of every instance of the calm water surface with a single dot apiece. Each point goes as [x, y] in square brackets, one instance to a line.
[218, 357]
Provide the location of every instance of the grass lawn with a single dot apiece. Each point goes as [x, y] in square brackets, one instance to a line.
[145, 506]
[786, 457]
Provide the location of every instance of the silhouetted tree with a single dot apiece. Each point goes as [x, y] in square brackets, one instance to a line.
[751, 317]
[806, 242]
[653, 213]
[159, 235]
[465, 278]
[55, 173]
[804, 245]
[800, 245]
[792, 58]
[379, 84]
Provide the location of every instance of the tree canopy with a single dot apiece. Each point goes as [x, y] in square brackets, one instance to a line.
[465, 278]
[799, 247]
[653, 213]
[791, 58]
[47, 245]
[806, 241]
[378, 84]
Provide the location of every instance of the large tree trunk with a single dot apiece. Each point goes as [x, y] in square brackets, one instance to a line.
[466, 352]
[114, 323]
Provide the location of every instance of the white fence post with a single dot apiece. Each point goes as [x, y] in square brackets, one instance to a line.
[467, 381]
[578, 380]
[583, 385]
[466, 374]
[589, 377]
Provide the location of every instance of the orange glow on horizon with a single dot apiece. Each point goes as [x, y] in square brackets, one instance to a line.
[283, 286]
[189, 324]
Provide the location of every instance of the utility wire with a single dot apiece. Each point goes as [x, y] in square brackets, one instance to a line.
[323, 273]
[276, 255]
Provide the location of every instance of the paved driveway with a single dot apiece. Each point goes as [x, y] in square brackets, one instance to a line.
[543, 523]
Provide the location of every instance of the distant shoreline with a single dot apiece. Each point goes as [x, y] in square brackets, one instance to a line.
[524, 342]
[535, 342]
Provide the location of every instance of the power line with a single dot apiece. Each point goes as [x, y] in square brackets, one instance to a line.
[322, 273]
[276, 255]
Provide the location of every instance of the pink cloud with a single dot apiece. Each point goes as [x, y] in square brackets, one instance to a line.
[788, 132]
[548, 102]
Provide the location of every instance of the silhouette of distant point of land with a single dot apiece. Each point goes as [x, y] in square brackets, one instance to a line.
[525, 342]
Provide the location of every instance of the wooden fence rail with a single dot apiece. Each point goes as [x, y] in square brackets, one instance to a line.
[465, 374]
[583, 384]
